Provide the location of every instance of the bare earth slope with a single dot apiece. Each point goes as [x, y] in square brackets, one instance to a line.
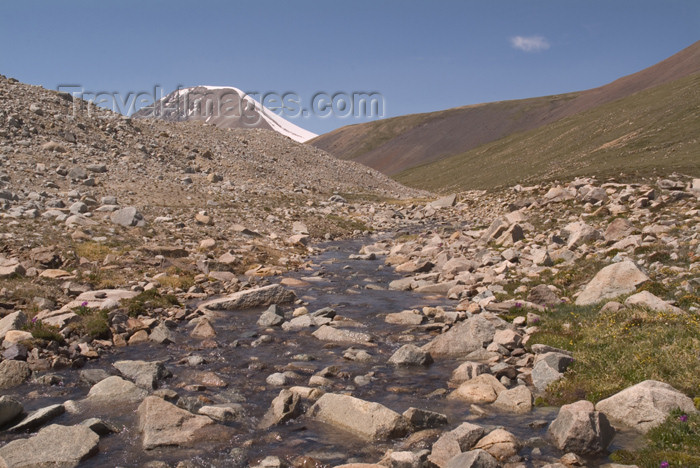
[656, 131]
[400, 143]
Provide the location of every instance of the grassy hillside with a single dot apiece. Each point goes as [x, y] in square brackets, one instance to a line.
[653, 131]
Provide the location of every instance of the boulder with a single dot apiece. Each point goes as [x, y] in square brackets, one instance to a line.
[515, 400]
[468, 370]
[424, 419]
[618, 229]
[285, 406]
[542, 295]
[580, 429]
[10, 409]
[128, 217]
[271, 317]
[650, 301]
[612, 281]
[250, 298]
[164, 424]
[115, 390]
[580, 233]
[483, 388]
[13, 321]
[645, 405]
[224, 412]
[410, 355]
[367, 420]
[454, 442]
[549, 367]
[203, 330]
[53, 446]
[146, 374]
[500, 443]
[13, 373]
[444, 202]
[465, 337]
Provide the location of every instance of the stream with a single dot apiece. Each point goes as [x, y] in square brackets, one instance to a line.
[244, 358]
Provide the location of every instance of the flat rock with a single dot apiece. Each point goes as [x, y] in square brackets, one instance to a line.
[368, 420]
[115, 390]
[339, 335]
[53, 446]
[645, 405]
[612, 281]
[39, 418]
[650, 301]
[248, 299]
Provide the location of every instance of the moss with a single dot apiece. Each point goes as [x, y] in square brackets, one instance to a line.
[42, 331]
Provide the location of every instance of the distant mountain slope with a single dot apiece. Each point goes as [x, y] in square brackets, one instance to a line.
[655, 131]
[397, 144]
[224, 107]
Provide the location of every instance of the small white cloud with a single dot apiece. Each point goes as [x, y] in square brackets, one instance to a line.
[529, 43]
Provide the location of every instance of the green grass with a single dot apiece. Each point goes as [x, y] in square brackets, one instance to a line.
[148, 300]
[649, 133]
[41, 331]
[676, 442]
[615, 350]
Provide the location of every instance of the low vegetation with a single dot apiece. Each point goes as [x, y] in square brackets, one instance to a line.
[614, 350]
[147, 301]
[675, 443]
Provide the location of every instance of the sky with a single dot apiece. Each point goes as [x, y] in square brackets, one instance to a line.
[417, 56]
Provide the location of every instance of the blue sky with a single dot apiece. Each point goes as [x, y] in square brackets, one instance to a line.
[420, 55]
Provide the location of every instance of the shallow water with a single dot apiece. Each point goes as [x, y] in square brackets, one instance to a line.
[339, 283]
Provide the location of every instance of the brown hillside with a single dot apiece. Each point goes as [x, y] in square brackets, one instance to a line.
[396, 144]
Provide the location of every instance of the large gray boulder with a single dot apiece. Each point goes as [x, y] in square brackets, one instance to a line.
[13, 373]
[612, 281]
[10, 409]
[53, 446]
[250, 298]
[549, 367]
[515, 400]
[368, 420]
[146, 374]
[164, 424]
[115, 390]
[483, 388]
[465, 337]
[499, 443]
[410, 355]
[645, 405]
[580, 429]
[648, 300]
[128, 217]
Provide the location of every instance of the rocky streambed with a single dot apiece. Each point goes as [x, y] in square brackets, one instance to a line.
[231, 387]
